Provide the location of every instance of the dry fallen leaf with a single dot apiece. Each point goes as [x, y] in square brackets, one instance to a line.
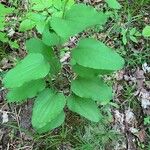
[4, 117]
[141, 135]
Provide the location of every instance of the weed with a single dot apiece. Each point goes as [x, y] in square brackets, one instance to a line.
[26, 80]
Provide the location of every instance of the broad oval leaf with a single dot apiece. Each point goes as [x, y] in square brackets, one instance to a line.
[33, 19]
[94, 89]
[94, 54]
[113, 4]
[32, 67]
[40, 26]
[77, 19]
[84, 71]
[36, 17]
[26, 24]
[53, 124]
[50, 38]
[27, 90]
[85, 107]
[88, 72]
[146, 31]
[35, 45]
[40, 5]
[47, 107]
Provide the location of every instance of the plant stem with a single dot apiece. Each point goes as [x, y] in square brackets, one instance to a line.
[64, 9]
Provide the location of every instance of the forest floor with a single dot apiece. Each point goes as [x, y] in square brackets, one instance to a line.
[127, 124]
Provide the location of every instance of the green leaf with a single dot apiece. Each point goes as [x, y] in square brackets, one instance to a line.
[36, 17]
[40, 26]
[124, 40]
[77, 19]
[84, 72]
[133, 38]
[113, 4]
[137, 33]
[133, 31]
[85, 107]
[57, 4]
[5, 10]
[32, 67]
[147, 120]
[27, 90]
[3, 37]
[94, 89]
[146, 31]
[26, 24]
[33, 20]
[50, 38]
[88, 72]
[96, 55]
[53, 124]
[2, 23]
[47, 107]
[13, 44]
[69, 4]
[35, 45]
[124, 35]
[40, 5]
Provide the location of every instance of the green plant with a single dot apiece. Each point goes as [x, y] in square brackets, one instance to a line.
[114, 4]
[89, 59]
[147, 120]
[3, 36]
[41, 12]
[129, 34]
[99, 136]
[146, 31]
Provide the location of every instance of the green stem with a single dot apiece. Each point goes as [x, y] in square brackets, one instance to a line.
[64, 9]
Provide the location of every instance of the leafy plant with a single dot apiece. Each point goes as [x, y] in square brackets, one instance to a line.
[3, 36]
[41, 12]
[89, 59]
[130, 34]
[113, 4]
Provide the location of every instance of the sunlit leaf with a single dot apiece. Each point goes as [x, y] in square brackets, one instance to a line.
[96, 55]
[77, 19]
[32, 67]
[113, 4]
[146, 31]
[27, 90]
[85, 107]
[35, 45]
[47, 107]
[94, 89]
[53, 124]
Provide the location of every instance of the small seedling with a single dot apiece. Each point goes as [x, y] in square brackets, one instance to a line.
[129, 34]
